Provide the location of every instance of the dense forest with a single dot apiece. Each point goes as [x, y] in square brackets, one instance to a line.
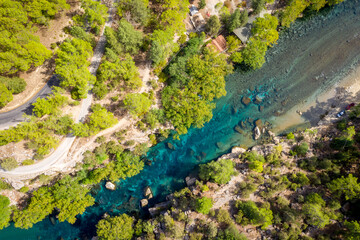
[186, 75]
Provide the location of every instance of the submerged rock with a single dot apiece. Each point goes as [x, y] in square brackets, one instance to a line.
[203, 154]
[246, 101]
[258, 99]
[110, 186]
[170, 146]
[238, 129]
[261, 108]
[219, 145]
[243, 124]
[258, 123]
[257, 133]
[144, 202]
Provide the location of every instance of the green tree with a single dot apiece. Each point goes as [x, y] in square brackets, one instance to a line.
[258, 5]
[50, 104]
[217, 171]
[233, 43]
[15, 85]
[236, 57]
[115, 228]
[264, 28]
[130, 38]
[5, 211]
[293, 11]
[137, 104]
[8, 163]
[349, 187]
[254, 53]
[249, 213]
[5, 95]
[315, 215]
[237, 19]
[316, 5]
[231, 233]
[334, 2]
[352, 230]
[138, 9]
[203, 205]
[213, 25]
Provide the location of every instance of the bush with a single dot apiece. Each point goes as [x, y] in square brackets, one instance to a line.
[15, 85]
[301, 149]
[28, 162]
[4, 185]
[231, 233]
[217, 171]
[223, 216]
[5, 95]
[203, 205]
[24, 189]
[290, 136]
[114, 228]
[8, 163]
[249, 213]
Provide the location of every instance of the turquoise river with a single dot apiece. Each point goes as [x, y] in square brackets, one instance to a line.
[311, 56]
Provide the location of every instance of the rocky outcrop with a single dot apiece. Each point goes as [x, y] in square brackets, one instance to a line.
[170, 146]
[110, 186]
[190, 181]
[158, 208]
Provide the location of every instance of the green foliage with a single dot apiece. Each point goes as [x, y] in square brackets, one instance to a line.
[300, 178]
[119, 70]
[203, 205]
[231, 233]
[258, 5]
[4, 185]
[5, 95]
[138, 10]
[316, 5]
[115, 228]
[233, 44]
[349, 187]
[213, 25]
[15, 84]
[191, 105]
[254, 53]
[290, 136]
[99, 119]
[79, 32]
[301, 149]
[24, 189]
[137, 104]
[315, 215]
[8, 163]
[334, 2]
[94, 15]
[293, 11]
[71, 67]
[264, 28]
[255, 161]
[352, 230]
[19, 48]
[217, 171]
[5, 211]
[50, 104]
[249, 213]
[237, 19]
[130, 38]
[223, 216]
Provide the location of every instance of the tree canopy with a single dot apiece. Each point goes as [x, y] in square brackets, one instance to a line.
[5, 211]
[217, 171]
[137, 103]
[115, 228]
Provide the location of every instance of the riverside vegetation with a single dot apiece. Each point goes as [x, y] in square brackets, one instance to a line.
[193, 75]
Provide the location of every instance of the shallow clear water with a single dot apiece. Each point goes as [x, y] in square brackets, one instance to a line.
[309, 58]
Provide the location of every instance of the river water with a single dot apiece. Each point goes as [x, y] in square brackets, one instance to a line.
[309, 58]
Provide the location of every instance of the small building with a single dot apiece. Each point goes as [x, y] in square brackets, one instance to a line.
[219, 43]
[193, 10]
[198, 21]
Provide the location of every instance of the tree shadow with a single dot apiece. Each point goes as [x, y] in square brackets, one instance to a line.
[331, 106]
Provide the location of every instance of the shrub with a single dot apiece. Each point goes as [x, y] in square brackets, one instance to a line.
[290, 136]
[24, 189]
[217, 171]
[301, 149]
[249, 213]
[203, 205]
[15, 85]
[8, 163]
[223, 216]
[5, 95]
[28, 162]
[4, 185]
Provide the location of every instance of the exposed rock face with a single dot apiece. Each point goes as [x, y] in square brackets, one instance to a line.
[148, 192]
[257, 133]
[144, 202]
[190, 181]
[246, 101]
[17, 184]
[110, 186]
[238, 150]
[158, 208]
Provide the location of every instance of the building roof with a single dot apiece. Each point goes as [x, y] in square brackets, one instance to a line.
[219, 43]
[193, 10]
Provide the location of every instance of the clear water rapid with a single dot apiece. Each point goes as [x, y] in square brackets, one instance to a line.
[310, 57]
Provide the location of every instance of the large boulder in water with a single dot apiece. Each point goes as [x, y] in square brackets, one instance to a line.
[258, 99]
[258, 123]
[170, 146]
[144, 202]
[257, 133]
[246, 101]
[110, 186]
[148, 192]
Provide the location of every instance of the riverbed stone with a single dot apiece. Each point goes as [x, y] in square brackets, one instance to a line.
[258, 99]
[258, 123]
[257, 133]
[170, 146]
[238, 129]
[246, 101]
[110, 186]
[243, 124]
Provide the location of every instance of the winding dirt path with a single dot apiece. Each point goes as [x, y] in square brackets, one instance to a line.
[61, 153]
